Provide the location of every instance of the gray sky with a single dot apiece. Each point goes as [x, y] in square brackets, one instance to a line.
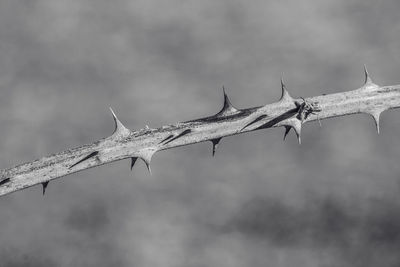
[333, 201]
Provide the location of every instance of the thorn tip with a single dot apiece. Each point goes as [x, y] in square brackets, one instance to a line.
[133, 160]
[215, 143]
[147, 162]
[376, 116]
[294, 124]
[146, 156]
[368, 83]
[228, 108]
[119, 129]
[287, 130]
[44, 186]
[366, 74]
[285, 94]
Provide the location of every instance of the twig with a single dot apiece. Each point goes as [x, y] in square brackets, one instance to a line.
[123, 143]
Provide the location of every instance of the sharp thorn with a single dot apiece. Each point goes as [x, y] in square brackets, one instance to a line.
[228, 108]
[227, 102]
[368, 79]
[287, 130]
[215, 143]
[376, 116]
[133, 160]
[119, 129]
[296, 125]
[297, 130]
[44, 186]
[146, 156]
[283, 86]
[285, 94]
[147, 165]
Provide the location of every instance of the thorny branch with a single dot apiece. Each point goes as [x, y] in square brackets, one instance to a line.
[288, 112]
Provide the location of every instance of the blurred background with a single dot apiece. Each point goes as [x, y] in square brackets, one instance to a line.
[333, 201]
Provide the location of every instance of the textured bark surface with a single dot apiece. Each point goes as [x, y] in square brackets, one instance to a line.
[123, 143]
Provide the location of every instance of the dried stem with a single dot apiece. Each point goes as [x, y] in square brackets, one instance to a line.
[124, 143]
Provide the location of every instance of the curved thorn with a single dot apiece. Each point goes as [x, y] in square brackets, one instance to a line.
[146, 156]
[119, 129]
[228, 108]
[368, 79]
[296, 125]
[133, 160]
[376, 116]
[147, 165]
[285, 94]
[227, 102]
[287, 130]
[368, 83]
[297, 130]
[215, 143]
[44, 186]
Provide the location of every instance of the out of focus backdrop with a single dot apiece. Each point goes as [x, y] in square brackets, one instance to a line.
[333, 201]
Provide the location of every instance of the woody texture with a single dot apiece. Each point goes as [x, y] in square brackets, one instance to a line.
[288, 112]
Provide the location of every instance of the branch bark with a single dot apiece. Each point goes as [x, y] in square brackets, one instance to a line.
[123, 143]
